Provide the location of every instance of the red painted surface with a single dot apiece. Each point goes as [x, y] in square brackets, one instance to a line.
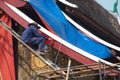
[76, 56]
[16, 3]
[6, 51]
[12, 14]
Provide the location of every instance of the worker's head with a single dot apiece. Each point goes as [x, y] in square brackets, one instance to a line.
[34, 24]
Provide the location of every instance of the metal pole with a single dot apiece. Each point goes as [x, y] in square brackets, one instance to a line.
[100, 71]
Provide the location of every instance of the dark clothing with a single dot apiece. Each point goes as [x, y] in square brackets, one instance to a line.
[29, 33]
[35, 40]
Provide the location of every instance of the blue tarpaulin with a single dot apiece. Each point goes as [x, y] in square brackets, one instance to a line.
[55, 18]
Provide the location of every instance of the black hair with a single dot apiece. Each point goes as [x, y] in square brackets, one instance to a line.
[34, 24]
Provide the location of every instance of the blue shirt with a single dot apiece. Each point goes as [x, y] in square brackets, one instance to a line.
[30, 32]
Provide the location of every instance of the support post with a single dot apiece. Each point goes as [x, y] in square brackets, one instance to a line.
[68, 69]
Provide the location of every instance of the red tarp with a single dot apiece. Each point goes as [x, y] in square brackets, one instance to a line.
[7, 71]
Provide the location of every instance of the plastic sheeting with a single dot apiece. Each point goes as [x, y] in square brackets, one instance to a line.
[54, 17]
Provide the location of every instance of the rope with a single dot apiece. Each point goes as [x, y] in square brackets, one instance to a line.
[58, 52]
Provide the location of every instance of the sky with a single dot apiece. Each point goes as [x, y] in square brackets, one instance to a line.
[108, 4]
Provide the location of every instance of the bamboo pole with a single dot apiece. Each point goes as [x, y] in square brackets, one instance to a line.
[68, 69]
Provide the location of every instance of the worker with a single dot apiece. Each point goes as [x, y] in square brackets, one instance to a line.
[34, 39]
[116, 53]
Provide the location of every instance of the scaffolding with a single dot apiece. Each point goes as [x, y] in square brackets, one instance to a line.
[52, 71]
